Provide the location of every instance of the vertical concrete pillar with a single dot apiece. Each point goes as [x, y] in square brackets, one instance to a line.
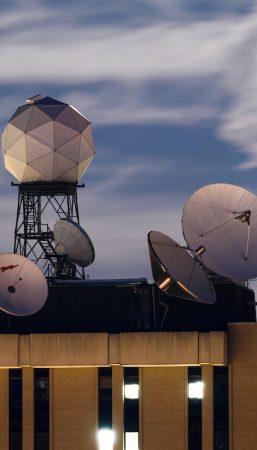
[51, 410]
[4, 409]
[117, 407]
[243, 386]
[74, 406]
[207, 408]
[140, 440]
[164, 408]
[28, 408]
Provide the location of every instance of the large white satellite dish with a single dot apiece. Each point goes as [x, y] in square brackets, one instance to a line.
[73, 242]
[222, 219]
[176, 272]
[23, 287]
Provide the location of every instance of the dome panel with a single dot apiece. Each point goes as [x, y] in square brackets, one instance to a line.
[71, 149]
[10, 136]
[4, 136]
[31, 174]
[37, 118]
[35, 149]
[19, 110]
[85, 150]
[44, 134]
[44, 165]
[63, 134]
[21, 121]
[49, 101]
[66, 118]
[61, 165]
[87, 135]
[83, 166]
[18, 149]
[51, 110]
[81, 121]
[15, 166]
[71, 176]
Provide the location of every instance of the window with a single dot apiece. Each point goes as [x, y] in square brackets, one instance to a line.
[41, 377]
[15, 409]
[131, 407]
[105, 433]
[221, 412]
[195, 394]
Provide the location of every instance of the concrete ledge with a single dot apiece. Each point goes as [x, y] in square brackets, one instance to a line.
[101, 349]
[159, 349]
[9, 350]
[71, 349]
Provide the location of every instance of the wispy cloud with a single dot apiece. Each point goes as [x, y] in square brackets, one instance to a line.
[70, 46]
[165, 50]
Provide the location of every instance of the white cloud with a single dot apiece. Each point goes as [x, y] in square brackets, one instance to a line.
[167, 50]
[40, 47]
[129, 106]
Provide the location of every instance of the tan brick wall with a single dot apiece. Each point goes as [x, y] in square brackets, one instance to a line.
[243, 386]
[74, 408]
[164, 408]
[163, 394]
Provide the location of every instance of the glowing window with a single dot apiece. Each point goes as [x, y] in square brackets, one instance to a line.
[131, 441]
[105, 439]
[131, 391]
[195, 390]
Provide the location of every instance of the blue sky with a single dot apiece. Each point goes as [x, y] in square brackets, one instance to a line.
[170, 88]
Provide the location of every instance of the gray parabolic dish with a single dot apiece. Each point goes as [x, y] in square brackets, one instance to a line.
[223, 219]
[73, 242]
[23, 287]
[176, 272]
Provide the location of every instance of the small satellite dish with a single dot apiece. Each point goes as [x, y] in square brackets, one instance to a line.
[176, 273]
[73, 242]
[222, 219]
[23, 287]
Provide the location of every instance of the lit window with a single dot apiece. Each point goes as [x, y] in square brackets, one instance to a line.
[105, 439]
[131, 391]
[195, 390]
[131, 441]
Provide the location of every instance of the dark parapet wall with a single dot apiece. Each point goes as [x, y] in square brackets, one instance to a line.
[114, 308]
[234, 304]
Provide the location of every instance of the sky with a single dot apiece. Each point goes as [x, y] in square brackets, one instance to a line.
[170, 89]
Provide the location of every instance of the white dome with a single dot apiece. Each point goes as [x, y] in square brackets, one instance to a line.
[47, 140]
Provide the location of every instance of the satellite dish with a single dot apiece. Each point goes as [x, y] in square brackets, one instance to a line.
[23, 287]
[176, 273]
[222, 219]
[73, 242]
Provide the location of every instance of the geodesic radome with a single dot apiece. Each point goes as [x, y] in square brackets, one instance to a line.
[47, 140]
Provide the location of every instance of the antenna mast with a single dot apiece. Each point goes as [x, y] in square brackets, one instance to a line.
[47, 146]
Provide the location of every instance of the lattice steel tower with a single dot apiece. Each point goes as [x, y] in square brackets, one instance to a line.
[47, 146]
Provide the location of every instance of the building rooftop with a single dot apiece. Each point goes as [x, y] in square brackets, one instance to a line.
[132, 305]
